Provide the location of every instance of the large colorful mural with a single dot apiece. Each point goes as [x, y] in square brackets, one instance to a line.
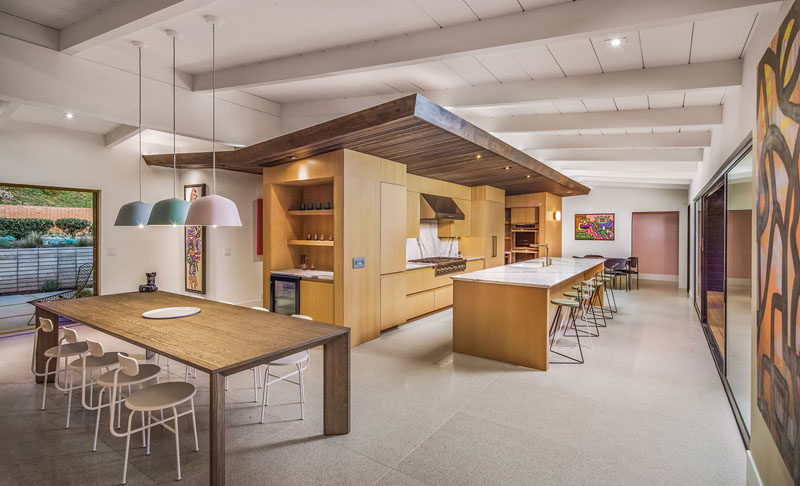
[194, 246]
[594, 226]
[778, 256]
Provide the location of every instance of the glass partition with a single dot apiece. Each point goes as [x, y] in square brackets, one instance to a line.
[739, 217]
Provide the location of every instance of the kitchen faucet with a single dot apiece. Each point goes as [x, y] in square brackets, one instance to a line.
[547, 261]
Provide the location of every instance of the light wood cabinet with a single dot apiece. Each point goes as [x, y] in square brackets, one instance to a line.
[419, 304]
[524, 215]
[458, 228]
[412, 214]
[316, 300]
[393, 241]
[393, 300]
[443, 297]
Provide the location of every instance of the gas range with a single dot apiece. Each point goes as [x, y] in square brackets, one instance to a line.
[444, 265]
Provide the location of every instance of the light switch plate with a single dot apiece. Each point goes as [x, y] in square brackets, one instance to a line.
[111, 252]
[358, 262]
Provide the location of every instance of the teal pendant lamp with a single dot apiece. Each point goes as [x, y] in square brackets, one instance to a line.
[136, 213]
[172, 211]
[213, 210]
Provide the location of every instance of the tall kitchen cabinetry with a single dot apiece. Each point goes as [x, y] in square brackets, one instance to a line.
[487, 236]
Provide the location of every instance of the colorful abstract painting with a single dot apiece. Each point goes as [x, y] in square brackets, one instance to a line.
[194, 246]
[594, 226]
[778, 257]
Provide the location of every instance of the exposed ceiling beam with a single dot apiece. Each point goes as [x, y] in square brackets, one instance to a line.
[719, 74]
[537, 26]
[44, 77]
[645, 140]
[615, 155]
[7, 108]
[120, 19]
[677, 182]
[28, 31]
[656, 117]
[120, 134]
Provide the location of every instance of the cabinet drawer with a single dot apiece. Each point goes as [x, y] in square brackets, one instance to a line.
[443, 297]
[316, 300]
[474, 265]
[421, 303]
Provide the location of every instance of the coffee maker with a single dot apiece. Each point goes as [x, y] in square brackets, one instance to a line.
[150, 286]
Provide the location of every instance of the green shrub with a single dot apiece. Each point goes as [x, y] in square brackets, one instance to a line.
[86, 240]
[51, 286]
[35, 196]
[72, 226]
[7, 242]
[21, 227]
[32, 240]
[84, 293]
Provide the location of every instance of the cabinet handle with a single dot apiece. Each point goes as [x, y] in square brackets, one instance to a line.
[494, 245]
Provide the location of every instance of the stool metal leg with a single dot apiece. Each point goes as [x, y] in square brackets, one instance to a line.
[570, 319]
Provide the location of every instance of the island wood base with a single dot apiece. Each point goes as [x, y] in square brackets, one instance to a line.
[507, 322]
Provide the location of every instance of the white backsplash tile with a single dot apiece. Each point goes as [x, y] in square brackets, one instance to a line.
[429, 244]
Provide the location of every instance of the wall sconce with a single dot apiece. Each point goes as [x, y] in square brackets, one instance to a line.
[557, 215]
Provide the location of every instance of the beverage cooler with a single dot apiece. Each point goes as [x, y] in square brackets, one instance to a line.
[284, 293]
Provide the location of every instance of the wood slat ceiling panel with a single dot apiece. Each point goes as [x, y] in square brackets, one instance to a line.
[430, 140]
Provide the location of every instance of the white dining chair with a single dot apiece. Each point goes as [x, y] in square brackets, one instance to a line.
[154, 398]
[86, 363]
[300, 361]
[147, 372]
[61, 350]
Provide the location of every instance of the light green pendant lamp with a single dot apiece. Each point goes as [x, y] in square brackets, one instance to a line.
[136, 213]
[172, 211]
[213, 210]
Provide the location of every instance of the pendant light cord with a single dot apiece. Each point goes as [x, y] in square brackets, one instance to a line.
[213, 108]
[140, 123]
[174, 129]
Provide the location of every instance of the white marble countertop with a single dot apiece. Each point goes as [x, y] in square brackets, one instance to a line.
[309, 274]
[416, 266]
[531, 273]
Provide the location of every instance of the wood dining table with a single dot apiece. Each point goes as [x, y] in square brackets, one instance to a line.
[222, 339]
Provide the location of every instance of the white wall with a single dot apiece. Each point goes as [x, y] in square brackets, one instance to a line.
[621, 202]
[43, 155]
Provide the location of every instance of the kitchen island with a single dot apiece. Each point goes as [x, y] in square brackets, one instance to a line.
[504, 313]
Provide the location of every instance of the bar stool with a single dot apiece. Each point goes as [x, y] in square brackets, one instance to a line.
[57, 352]
[158, 397]
[608, 288]
[299, 360]
[581, 295]
[560, 321]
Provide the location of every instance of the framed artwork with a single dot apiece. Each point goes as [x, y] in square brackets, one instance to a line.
[260, 227]
[594, 226]
[777, 185]
[194, 246]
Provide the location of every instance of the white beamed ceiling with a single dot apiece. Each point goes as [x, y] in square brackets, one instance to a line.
[257, 31]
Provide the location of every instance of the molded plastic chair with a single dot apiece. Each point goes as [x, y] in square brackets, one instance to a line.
[68, 350]
[158, 397]
[300, 361]
[87, 362]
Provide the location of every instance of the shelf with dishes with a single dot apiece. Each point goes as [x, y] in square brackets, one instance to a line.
[311, 242]
[310, 212]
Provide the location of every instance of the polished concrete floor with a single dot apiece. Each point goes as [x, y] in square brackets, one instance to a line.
[646, 408]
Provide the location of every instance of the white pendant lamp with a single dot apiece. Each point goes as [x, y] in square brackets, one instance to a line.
[172, 211]
[136, 213]
[213, 210]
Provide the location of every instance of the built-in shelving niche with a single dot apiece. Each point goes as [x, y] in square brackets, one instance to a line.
[301, 225]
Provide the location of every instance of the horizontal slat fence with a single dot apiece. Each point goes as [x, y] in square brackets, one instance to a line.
[28, 269]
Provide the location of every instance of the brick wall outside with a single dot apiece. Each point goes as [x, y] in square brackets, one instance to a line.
[44, 212]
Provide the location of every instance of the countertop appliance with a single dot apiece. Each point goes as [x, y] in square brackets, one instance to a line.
[444, 265]
[284, 291]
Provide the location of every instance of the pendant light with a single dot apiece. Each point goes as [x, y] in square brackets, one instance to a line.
[136, 213]
[172, 211]
[213, 210]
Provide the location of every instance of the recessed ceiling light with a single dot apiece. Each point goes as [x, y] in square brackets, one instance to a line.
[69, 115]
[527, 176]
[292, 157]
[616, 41]
[478, 156]
[508, 167]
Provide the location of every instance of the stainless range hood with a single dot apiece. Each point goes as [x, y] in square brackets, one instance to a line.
[438, 207]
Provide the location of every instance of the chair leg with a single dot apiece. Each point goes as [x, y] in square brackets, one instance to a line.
[302, 394]
[255, 386]
[194, 427]
[69, 400]
[144, 429]
[44, 382]
[127, 450]
[177, 443]
[97, 420]
[265, 394]
[119, 407]
[149, 419]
